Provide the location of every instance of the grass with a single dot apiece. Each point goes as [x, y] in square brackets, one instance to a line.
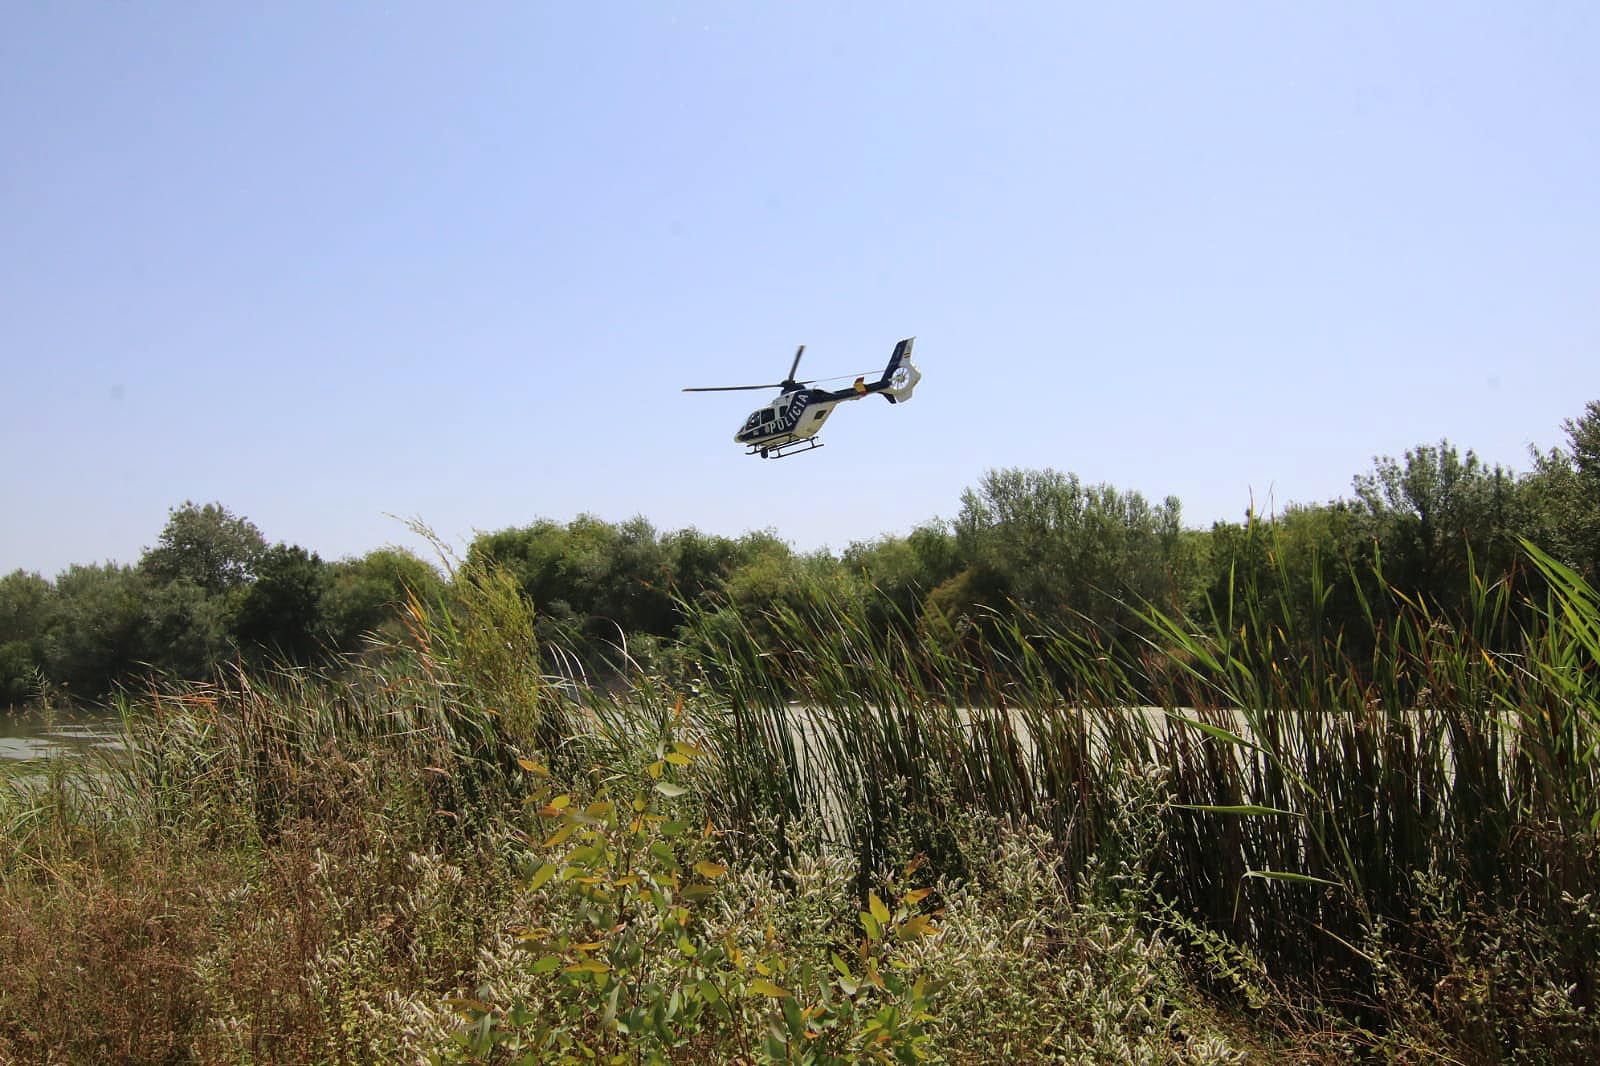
[821, 842]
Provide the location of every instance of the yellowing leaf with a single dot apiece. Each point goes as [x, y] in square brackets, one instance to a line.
[533, 767]
[555, 806]
[916, 896]
[763, 987]
[677, 758]
[543, 874]
[879, 911]
[655, 768]
[588, 966]
[710, 870]
[690, 750]
[873, 928]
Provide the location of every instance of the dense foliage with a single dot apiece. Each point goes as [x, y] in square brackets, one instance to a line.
[1056, 780]
[212, 591]
[843, 842]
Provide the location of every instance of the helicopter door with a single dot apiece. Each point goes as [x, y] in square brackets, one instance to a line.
[761, 422]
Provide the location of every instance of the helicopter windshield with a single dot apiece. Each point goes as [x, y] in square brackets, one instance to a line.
[779, 413]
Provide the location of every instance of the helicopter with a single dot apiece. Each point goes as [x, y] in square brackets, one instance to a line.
[789, 424]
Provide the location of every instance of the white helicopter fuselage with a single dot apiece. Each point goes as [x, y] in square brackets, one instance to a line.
[790, 422]
[792, 416]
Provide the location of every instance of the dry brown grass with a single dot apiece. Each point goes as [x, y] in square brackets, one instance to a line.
[183, 946]
[98, 957]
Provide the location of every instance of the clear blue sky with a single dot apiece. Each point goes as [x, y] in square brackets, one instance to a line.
[327, 263]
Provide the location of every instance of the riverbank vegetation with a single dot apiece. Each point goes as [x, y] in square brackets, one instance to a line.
[1061, 780]
[212, 592]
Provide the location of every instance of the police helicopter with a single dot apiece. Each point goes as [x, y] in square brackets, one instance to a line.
[789, 423]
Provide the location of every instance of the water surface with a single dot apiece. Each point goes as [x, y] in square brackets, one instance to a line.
[26, 736]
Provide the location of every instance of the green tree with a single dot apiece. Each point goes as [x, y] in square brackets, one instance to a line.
[1072, 551]
[184, 630]
[961, 608]
[98, 630]
[364, 595]
[769, 580]
[1439, 514]
[281, 611]
[635, 589]
[207, 545]
[593, 583]
[19, 674]
[898, 573]
[1563, 495]
[26, 600]
[1583, 435]
[700, 562]
[535, 555]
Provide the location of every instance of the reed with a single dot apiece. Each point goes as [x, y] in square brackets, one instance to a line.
[1326, 816]
[1399, 844]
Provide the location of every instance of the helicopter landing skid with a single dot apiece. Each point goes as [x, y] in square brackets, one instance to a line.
[788, 447]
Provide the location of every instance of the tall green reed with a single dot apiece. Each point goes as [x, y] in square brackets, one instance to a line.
[1242, 773]
[1307, 800]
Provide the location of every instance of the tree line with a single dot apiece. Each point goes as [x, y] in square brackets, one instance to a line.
[1434, 527]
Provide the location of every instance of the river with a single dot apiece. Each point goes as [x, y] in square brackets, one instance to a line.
[28, 736]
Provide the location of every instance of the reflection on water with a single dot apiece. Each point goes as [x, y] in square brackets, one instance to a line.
[29, 735]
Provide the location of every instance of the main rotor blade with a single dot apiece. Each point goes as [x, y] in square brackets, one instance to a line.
[735, 388]
[798, 352]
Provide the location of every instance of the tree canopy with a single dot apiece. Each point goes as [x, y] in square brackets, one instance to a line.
[1420, 527]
